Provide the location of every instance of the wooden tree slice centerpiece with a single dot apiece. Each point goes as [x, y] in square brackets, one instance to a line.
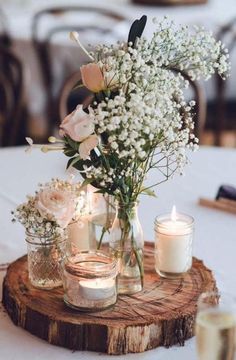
[163, 314]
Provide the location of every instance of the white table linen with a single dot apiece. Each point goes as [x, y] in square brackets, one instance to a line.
[215, 235]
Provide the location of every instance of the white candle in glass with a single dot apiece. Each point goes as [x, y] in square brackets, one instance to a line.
[173, 249]
[89, 280]
[97, 289]
[80, 231]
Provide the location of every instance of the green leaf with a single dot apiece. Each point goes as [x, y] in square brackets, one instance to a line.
[70, 152]
[86, 182]
[148, 192]
[79, 165]
[101, 191]
[73, 144]
[72, 161]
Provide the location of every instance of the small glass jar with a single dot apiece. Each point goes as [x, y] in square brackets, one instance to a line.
[173, 245]
[89, 281]
[45, 260]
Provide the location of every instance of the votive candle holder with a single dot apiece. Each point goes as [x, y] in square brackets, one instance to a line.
[173, 244]
[89, 281]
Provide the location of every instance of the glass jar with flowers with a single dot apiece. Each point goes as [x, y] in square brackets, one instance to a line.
[45, 217]
[138, 122]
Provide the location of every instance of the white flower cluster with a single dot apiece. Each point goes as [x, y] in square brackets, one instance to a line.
[46, 225]
[140, 113]
[149, 111]
[29, 216]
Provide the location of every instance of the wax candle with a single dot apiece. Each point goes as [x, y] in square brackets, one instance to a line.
[81, 234]
[97, 289]
[89, 281]
[173, 244]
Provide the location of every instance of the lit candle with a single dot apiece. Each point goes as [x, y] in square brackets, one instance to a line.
[97, 289]
[89, 281]
[173, 244]
[80, 232]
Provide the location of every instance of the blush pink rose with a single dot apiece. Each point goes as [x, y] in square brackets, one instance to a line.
[58, 204]
[92, 77]
[78, 125]
[87, 145]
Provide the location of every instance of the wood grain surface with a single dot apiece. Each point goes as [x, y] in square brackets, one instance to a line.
[163, 314]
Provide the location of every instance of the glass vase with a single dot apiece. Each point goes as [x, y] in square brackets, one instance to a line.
[126, 245]
[45, 260]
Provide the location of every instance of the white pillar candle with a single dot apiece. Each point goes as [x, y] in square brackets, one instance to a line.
[173, 249]
[80, 234]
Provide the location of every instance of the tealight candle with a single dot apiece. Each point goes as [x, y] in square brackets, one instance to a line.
[89, 281]
[173, 244]
[97, 289]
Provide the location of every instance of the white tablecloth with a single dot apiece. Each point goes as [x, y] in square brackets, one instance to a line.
[215, 235]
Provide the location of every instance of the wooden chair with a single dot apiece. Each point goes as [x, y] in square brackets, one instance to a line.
[70, 96]
[227, 34]
[43, 48]
[5, 39]
[12, 110]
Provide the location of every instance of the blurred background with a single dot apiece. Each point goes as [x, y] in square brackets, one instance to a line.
[39, 65]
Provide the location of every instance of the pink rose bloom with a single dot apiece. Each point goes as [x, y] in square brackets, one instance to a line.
[87, 145]
[92, 77]
[78, 125]
[58, 204]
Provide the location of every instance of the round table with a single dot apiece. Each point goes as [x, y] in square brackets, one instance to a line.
[215, 239]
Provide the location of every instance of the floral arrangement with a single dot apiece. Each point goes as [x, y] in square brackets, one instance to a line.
[138, 120]
[51, 209]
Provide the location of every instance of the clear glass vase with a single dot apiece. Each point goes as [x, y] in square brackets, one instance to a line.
[126, 244]
[45, 260]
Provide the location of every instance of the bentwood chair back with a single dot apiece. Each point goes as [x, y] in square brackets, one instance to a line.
[44, 47]
[71, 95]
[227, 34]
[12, 111]
[5, 39]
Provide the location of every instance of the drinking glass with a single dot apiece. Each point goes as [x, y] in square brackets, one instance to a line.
[216, 326]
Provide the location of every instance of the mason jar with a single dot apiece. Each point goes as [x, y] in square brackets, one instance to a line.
[89, 281]
[45, 259]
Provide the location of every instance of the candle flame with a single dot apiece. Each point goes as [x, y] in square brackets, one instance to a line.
[173, 213]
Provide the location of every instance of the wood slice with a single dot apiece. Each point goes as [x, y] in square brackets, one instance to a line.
[163, 314]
